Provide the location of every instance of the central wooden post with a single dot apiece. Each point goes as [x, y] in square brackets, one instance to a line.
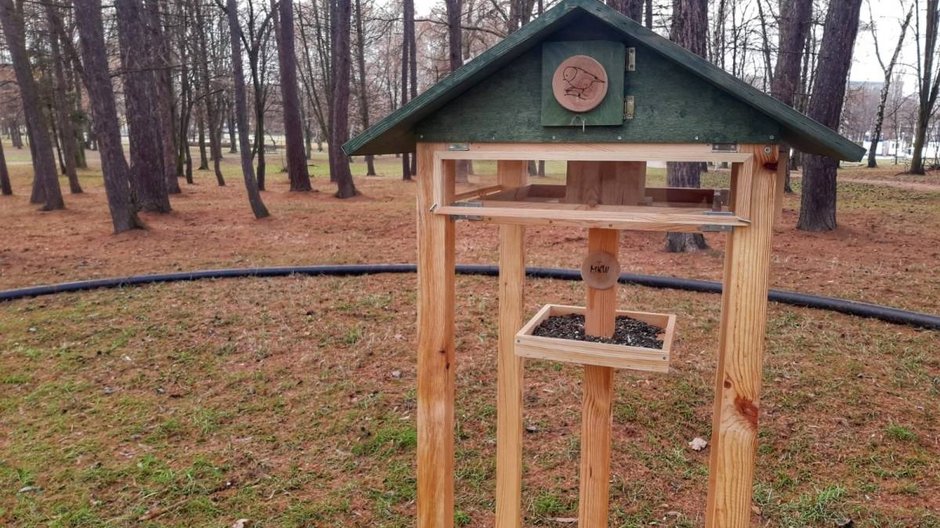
[597, 403]
[509, 366]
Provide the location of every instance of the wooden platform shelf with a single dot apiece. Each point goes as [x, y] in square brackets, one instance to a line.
[598, 354]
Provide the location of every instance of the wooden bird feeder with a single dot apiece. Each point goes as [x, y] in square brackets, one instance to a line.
[586, 86]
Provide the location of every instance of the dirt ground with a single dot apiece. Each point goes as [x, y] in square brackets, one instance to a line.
[886, 245]
[291, 402]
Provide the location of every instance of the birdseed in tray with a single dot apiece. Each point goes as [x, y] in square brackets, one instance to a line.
[627, 331]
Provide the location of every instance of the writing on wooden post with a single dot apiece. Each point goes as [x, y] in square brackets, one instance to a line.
[600, 270]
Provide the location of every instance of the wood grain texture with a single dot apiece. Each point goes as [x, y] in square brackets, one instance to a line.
[605, 182]
[510, 174]
[679, 219]
[436, 358]
[597, 354]
[597, 399]
[740, 352]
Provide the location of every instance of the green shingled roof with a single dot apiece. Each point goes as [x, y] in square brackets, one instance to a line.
[397, 132]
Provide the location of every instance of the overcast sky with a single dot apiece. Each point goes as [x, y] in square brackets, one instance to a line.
[887, 15]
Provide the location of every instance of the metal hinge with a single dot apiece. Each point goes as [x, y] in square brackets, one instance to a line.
[629, 107]
[458, 146]
[631, 59]
[468, 203]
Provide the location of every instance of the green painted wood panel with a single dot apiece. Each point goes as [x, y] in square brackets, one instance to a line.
[611, 56]
[672, 106]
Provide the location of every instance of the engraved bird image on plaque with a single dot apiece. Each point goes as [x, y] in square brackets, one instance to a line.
[579, 83]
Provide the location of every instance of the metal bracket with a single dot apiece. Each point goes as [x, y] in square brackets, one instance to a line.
[724, 147]
[712, 228]
[468, 203]
[716, 228]
[458, 147]
[631, 59]
[629, 107]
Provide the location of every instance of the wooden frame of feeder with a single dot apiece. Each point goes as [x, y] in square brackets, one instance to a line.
[748, 225]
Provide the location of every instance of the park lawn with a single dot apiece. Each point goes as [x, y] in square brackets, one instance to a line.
[290, 402]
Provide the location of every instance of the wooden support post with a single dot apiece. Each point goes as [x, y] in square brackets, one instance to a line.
[740, 350]
[597, 404]
[606, 182]
[509, 366]
[436, 361]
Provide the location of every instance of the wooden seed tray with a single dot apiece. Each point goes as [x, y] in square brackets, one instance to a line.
[599, 354]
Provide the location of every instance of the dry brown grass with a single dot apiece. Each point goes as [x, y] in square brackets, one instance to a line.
[291, 401]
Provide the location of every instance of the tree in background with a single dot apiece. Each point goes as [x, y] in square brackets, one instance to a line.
[928, 79]
[5, 188]
[241, 112]
[45, 177]
[362, 87]
[340, 16]
[818, 200]
[888, 70]
[795, 19]
[145, 129]
[60, 100]
[408, 71]
[689, 29]
[290, 99]
[117, 183]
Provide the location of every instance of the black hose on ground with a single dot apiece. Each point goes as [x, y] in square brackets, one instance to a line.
[860, 309]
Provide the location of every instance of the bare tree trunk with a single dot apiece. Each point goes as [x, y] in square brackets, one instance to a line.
[363, 95]
[818, 201]
[61, 102]
[232, 143]
[117, 184]
[339, 131]
[928, 79]
[689, 29]
[455, 59]
[290, 99]
[143, 121]
[201, 128]
[241, 112]
[886, 87]
[795, 19]
[5, 188]
[631, 8]
[45, 175]
[210, 120]
[163, 83]
[407, 42]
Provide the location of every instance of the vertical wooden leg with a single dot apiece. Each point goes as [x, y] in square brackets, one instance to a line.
[597, 404]
[740, 351]
[436, 361]
[509, 366]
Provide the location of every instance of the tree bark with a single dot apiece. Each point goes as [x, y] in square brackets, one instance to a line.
[631, 8]
[361, 67]
[795, 19]
[818, 201]
[290, 99]
[117, 183]
[928, 84]
[44, 166]
[5, 188]
[689, 29]
[61, 101]
[241, 112]
[339, 131]
[885, 88]
[161, 62]
[143, 120]
[407, 42]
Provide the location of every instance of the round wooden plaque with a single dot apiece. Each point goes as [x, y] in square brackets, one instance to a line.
[579, 83]
[600, 270]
